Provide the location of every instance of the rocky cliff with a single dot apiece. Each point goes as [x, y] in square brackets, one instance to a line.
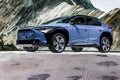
[113, 20]
[15, 14]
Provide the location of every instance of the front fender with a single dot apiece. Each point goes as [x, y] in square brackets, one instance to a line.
[57, 30]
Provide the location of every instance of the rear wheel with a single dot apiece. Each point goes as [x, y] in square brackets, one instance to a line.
[76, 49]
[57, 43]
[30, 49]
[104, 44]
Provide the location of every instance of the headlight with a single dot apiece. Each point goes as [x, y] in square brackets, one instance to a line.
[46, 30]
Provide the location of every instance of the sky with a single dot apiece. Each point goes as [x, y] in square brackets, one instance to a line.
[106, 5]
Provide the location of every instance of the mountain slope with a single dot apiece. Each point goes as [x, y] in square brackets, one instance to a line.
[113, 20]
[16, 14]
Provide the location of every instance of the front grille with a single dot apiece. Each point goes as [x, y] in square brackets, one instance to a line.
[25, 34]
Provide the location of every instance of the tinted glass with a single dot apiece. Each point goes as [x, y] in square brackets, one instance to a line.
[92, 21]
[78, 20]
[58, 20]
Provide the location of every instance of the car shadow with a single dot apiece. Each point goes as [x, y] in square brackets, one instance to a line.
[80, 52]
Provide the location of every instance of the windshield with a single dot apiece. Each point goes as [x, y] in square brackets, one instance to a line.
[58, 20]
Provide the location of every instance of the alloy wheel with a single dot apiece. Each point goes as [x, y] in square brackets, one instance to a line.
[105, 44]
[59, 43]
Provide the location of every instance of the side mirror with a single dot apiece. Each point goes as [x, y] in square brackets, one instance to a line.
[72, 22]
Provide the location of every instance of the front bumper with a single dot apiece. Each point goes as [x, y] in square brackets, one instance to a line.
[31, 37]
[30, 42]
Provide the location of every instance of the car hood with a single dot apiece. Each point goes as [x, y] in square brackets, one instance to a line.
[64, 25]
[53, 25]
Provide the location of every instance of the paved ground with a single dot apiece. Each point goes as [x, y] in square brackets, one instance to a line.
[44, 65]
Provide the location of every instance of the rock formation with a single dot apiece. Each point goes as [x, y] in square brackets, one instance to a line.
[113, 20]
[15, 14]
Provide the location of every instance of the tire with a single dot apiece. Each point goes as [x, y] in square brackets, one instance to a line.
[105, 45]
[76, 49]
[30, 49]
[57, 43]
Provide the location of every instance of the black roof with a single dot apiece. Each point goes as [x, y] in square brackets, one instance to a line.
[65, 17]
[85, 16]
[76, 16]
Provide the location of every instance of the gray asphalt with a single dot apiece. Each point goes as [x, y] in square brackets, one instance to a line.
[45, 65]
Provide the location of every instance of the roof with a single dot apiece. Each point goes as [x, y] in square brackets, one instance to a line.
[85, 16]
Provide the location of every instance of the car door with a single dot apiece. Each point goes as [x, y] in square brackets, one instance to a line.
[94, 29]
[81, 28]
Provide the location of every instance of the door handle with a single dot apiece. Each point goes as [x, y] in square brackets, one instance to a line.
[86, 29]
[100, 30]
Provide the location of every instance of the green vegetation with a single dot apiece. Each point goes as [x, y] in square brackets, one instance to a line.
[6, 47]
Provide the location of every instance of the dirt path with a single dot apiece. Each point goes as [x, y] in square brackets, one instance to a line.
[43, 65]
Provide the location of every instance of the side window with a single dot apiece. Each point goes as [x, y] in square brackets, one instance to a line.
[92, 21]
[66, 20]
[78, 20]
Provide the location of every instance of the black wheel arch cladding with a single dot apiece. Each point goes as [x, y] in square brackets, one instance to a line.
[107, 34]
[57, 30]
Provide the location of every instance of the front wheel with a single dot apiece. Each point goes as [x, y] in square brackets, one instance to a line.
[57, 43]
[30, 49]
[104, 45]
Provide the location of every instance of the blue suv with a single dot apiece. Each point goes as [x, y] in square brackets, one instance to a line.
[76, 32]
